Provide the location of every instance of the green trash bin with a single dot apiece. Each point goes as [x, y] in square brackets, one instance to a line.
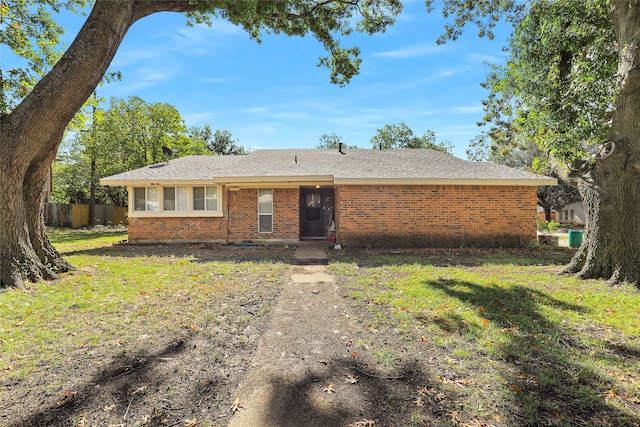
[575, 238]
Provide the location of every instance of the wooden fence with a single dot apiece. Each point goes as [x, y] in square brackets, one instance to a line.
[77, 216]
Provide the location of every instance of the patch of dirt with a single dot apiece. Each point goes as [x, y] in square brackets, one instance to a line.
[311, 368]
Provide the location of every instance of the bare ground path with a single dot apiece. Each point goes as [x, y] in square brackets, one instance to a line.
[302, 373]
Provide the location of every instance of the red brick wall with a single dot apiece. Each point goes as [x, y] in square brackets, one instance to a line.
[436, 216]
[243, 207]
[377, 216]
[243, 213]
[189, 229]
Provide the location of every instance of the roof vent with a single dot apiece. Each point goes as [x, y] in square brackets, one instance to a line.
[340, 148]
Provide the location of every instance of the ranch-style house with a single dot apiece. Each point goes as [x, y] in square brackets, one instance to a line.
[356, 198]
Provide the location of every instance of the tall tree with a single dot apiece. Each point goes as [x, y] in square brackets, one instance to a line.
[572, 84]
[221, 142]
[130, 134]
[400, 135]
[31, 133]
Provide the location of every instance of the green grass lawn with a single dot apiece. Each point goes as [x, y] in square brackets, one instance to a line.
[499, 337]
[507, 339]
[118, 299]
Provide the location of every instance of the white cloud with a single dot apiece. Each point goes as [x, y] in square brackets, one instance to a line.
[142, 78]
[215, 80]
[413, 51]
[471, 109]
[290, 115]
[485, 58]
[257, 110]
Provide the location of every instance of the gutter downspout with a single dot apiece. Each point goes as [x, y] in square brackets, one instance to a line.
[226, 240]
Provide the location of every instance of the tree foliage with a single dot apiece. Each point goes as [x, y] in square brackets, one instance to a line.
[400, 135]
[128, 135]
[331, 141]
[220, 142]
[28, 28]
[558, 85]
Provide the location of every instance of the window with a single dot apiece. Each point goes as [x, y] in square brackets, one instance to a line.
[176, 199]
[145, 199]
[265, 210]
[205, 198]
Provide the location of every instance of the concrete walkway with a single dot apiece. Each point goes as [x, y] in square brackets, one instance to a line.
[293, 362]
[312, 252]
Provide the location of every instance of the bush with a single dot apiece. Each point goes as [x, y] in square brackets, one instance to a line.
[547, 226]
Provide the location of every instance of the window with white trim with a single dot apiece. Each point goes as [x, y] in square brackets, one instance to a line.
[175, 199]
[205, 198]
[265, 210]
[146, 199]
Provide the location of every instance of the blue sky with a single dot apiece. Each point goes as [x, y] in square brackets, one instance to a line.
[273, 95]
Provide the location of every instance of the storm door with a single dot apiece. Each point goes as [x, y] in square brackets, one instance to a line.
[316, 211]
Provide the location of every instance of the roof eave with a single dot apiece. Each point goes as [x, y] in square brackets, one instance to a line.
[274, 179]
[448, 181]
[152, 182]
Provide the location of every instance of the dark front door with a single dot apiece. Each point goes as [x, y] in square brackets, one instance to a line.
[316, 211]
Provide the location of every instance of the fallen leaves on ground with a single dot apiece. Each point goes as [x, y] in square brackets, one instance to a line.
[139, 390]
[363, 423]
[329, 388]
[515, 388]
[66, 397]
[236, 406]
[352, 379]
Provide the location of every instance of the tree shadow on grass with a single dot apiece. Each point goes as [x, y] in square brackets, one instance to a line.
[409, 396]
[120, 393]
[454, 257]
[544, 377]
[74, 235]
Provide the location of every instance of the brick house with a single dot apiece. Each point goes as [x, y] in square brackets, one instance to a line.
[393, 198]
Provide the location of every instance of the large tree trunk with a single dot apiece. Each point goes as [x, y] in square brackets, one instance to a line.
[31, 134]
[611, 192]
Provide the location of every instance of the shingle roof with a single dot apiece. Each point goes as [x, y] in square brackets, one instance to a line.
[354, 166]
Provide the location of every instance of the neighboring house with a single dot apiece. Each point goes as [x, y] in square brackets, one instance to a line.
[365, 198]
[572, 213]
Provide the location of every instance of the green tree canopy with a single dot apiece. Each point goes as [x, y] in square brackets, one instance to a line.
[558, 85]
[400, 135]
[128, 135]
[220, 142]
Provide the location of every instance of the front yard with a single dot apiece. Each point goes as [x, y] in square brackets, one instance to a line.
[163, 335]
